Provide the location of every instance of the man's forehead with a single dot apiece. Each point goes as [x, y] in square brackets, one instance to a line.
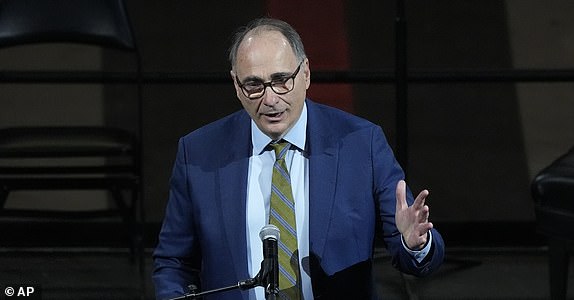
[260, 41]
[264, 55]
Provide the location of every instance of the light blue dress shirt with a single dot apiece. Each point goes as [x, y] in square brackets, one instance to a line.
[259, 197]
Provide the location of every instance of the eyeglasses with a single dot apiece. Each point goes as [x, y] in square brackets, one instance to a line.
[255, 89]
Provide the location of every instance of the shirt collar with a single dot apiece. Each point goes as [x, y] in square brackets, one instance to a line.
[296, 135]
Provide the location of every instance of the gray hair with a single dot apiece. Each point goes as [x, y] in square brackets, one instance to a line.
[267, 24]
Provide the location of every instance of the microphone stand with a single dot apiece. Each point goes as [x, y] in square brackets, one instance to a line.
[268, 276]
[261, 279]
[243, 285]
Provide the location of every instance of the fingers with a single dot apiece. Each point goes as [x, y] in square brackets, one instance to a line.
[420, 200]
[422, 210]
[424, 214]
[421, 240]
[419, 237]
[401, 195]
[414, 219]
[419, 210]
[424, 228]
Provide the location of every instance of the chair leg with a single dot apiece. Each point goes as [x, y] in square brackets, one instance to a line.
[558, 267]
[134, 224]
[138, 231]
[127, 219]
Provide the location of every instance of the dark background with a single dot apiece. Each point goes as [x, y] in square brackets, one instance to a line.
[474, 145]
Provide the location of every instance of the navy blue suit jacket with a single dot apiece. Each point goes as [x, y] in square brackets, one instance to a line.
[352, 180]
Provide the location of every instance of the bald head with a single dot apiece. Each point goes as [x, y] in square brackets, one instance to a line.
[259, 26]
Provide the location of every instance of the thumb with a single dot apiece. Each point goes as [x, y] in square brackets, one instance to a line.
[401, 195]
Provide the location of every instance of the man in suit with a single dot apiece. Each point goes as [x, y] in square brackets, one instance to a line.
[346, 186]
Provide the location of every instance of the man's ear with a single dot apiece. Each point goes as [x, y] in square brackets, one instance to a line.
[307, 73]
[232, 74]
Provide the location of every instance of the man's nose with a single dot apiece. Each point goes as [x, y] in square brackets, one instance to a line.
[269, 97]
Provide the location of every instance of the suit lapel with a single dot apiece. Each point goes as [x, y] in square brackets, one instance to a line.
[233, 193]
[323, 164]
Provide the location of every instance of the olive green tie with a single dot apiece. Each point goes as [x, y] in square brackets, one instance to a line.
[283, 216]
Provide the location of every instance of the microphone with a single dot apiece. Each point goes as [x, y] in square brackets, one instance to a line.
[269, 235]
[268, 276]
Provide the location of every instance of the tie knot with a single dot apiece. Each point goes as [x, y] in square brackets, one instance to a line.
[280, 148]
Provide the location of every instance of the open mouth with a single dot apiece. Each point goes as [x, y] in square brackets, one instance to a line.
[275, 115]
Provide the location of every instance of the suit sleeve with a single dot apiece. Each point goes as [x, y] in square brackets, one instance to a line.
[387, 172]
[177, 257]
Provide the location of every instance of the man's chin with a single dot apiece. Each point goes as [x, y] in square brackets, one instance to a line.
[274, 131]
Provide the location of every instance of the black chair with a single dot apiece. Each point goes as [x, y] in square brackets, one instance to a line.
[553, 192]
[74, 157]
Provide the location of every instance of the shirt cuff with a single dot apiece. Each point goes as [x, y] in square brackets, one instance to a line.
[419, 255]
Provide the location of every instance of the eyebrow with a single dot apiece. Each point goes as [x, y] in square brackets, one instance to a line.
[274, 76]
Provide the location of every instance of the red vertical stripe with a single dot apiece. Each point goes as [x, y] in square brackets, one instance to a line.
[324, 33]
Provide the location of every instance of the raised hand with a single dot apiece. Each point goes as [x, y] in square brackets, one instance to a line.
[412, 221]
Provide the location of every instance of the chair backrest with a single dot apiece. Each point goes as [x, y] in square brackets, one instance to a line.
[97, 22]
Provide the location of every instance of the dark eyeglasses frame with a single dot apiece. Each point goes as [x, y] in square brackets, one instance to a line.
[269, 84]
